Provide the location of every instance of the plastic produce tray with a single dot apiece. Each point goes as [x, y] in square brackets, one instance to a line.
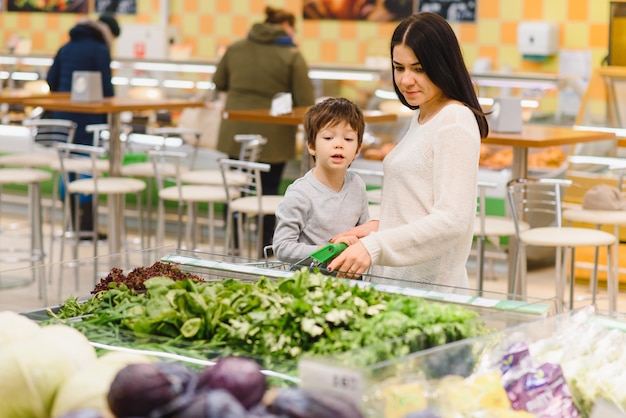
[393, 388]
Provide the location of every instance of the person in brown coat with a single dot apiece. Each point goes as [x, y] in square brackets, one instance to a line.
[251, 72]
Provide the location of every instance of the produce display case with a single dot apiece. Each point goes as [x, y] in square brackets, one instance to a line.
[468, 377]
[500, 309]
[497, 311]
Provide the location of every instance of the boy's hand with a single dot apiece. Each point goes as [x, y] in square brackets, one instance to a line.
[345, 238]
[358, 231]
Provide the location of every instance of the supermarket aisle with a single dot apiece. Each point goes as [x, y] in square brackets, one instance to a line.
[19, 289]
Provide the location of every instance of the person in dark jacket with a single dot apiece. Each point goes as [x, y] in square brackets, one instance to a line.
[87, 50]
[251, 72]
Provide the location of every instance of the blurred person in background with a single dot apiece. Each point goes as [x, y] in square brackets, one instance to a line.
[252, 71]
[89, 49]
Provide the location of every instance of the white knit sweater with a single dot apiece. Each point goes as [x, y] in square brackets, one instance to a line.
[429, 203]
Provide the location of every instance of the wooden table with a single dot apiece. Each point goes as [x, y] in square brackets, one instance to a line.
[8, 97]
[295, 118]
[18, 96]
[540, 136]
[113, 106]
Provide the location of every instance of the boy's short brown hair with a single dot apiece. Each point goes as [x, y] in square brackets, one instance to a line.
[333, 111]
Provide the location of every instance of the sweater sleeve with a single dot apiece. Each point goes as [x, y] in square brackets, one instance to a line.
[291, 216]
[448, 204]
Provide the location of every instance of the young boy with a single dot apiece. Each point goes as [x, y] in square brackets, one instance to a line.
[328, 199]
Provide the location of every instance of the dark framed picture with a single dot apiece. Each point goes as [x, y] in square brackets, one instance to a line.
[451, 10]
[372, 10]
[125, 7]
[55, 6]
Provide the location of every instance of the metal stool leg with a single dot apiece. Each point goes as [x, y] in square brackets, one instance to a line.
[36, 246]
[480, 260]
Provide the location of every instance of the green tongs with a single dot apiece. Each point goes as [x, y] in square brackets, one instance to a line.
[323, 255]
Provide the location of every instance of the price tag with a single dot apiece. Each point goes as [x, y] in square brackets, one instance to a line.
[388, 288]
[485, 302]
[451, 297]
[317, 375]
[420, 293]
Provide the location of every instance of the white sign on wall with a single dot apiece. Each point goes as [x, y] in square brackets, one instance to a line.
[144, 41]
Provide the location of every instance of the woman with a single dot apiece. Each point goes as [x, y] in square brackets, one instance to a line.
[252, 71]
[425, 229]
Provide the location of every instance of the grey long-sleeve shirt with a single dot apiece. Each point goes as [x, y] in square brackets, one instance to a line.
[311, 214]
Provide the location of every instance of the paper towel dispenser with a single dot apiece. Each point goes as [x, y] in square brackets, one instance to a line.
[537, 40]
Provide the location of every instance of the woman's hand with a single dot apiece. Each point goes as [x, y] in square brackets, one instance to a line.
[351, 262]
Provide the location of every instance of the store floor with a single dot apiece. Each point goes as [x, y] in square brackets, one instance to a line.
[22, 287]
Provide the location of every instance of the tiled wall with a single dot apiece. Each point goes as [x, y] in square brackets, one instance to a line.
[207, 24]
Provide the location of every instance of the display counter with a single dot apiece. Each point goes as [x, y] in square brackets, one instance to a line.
[469, 377]
[493, 310]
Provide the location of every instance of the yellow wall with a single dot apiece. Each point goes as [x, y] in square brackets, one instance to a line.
[206, 24]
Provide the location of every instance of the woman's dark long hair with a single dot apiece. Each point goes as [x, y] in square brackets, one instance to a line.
[437, 49]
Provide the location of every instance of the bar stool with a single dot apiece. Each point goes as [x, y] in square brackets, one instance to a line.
[44, 134]
[32, 178]
[488, 226]
[248, 201]
[250, 151]
[83, 160]
[184, 194]
[169, 138]
[251, 146]
[599, 218]
[543, 197]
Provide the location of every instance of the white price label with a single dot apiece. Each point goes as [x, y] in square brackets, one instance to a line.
[451, 297]
[318, 375]
[420, 293]
[485, 302]
[388, 288]
[437, 295]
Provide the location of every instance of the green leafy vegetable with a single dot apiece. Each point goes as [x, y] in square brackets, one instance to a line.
[275, 320]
